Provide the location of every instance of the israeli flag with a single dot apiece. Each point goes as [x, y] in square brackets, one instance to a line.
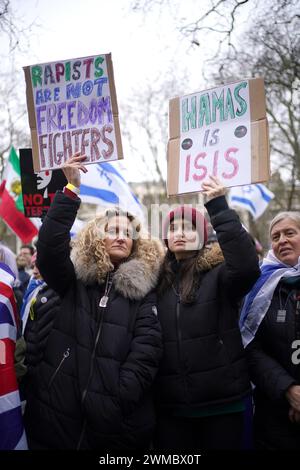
[252, 197]
[105, 186]
[76, 227]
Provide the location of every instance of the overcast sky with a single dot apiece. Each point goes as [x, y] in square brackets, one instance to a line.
[142, 47]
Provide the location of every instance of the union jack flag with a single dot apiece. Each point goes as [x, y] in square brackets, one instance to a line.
[12, 434]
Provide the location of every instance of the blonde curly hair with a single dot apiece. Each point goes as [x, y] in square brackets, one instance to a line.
[88, 254]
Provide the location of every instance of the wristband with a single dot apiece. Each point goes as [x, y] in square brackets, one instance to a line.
[73, 188]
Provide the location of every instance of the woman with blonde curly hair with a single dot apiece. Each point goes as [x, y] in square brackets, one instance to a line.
[93, 388]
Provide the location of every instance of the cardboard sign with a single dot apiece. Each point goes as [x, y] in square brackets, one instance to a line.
[222, 132]
[72, 107]
[38, 188]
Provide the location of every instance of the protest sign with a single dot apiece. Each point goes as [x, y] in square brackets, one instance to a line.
[38, 189]
[72, 107]
[223, 132]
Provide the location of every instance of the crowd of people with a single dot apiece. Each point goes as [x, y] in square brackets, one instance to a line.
[135, 344]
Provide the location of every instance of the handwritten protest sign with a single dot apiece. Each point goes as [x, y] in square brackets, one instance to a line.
[222, 132]
[38, 189]
[72, 106]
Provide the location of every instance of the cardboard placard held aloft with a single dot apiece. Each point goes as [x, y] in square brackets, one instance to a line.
[72, 107]
[38, 189]
[223, 132]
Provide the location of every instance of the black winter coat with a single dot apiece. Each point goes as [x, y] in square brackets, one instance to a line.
[37, 329]
[274, 364]
[92, 389]
[204, 361]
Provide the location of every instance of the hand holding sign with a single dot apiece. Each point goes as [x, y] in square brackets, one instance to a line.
[72, 168]
[72, 107]
[222, 132]
[213, 188]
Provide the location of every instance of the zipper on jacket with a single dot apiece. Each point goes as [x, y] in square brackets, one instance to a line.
[179, 341]
[179, 335]
[92, 361]
[66, 354]
[84, 393]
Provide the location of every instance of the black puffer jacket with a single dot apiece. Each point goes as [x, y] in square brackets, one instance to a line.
[273, 357]
[204, 362]
[93, 388]
[37, 329]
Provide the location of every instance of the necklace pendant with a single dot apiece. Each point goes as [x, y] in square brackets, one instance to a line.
[103, 301]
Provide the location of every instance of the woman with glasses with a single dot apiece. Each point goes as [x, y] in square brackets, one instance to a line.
[270, 325]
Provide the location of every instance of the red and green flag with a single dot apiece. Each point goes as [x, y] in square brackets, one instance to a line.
[11, 201]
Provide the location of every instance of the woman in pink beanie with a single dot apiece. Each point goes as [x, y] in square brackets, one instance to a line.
[203, 378]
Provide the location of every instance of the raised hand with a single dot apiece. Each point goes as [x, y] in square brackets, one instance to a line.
[294, 416]
[73, 167]
[213, 188]
[293, 396]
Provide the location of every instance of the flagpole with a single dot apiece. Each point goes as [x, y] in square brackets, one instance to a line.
[253, 226]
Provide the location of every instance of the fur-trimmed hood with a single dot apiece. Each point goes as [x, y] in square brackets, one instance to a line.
[210, 257]
[133, 279]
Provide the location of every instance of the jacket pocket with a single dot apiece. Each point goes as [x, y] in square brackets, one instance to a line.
[65, 356]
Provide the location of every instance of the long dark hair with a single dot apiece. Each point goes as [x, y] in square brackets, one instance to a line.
[185, 271]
